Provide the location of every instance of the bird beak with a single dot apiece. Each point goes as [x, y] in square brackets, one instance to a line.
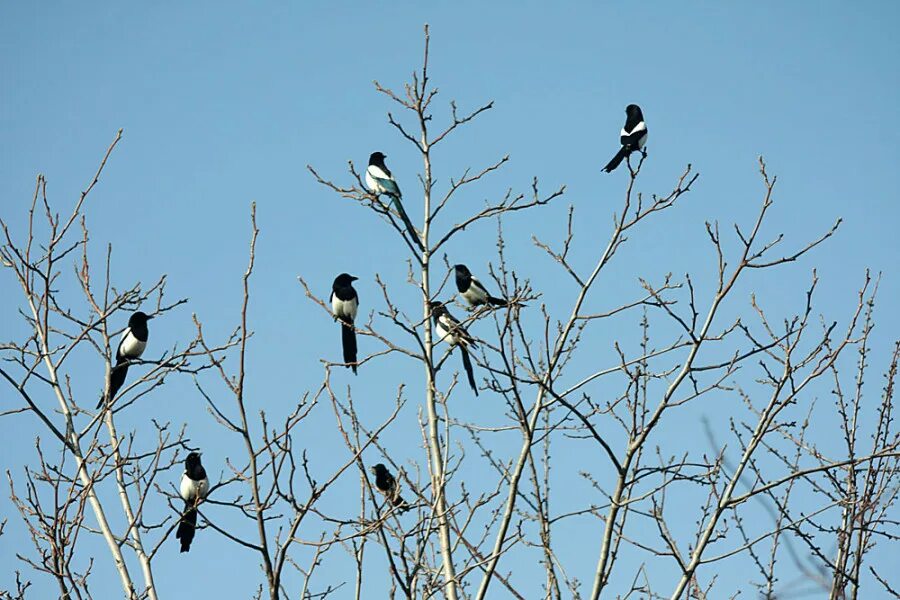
[149, 317]
[352, 278]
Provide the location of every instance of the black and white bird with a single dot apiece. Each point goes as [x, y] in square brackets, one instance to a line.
[472, 290]
[193, 489]
[344, 304]
[387, 485]
[449, 329]
[633, 136]
[131, 347]
[380, 181]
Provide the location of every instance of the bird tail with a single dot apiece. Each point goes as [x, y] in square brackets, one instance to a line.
[186, 527]
[409, 226]
[497, 301]
[399, 503]
[616, 160]
[467, 364]
[348, 342]
[116, 379]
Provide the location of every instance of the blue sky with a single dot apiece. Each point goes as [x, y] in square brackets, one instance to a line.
[222, 105]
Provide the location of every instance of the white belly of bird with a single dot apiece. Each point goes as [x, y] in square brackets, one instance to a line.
[131, 347]
[443, 334]
[475, 295]
[190, 489]
[344, 308]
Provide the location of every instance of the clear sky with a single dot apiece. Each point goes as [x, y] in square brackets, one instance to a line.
[223, 104]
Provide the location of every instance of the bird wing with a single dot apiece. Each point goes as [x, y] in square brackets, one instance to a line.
[457, 332]
[384, 181]
[119, 355]
[631, 138]
[203, 487]
[441, 331]
[478, 290]
[639, 126]
[129, 346]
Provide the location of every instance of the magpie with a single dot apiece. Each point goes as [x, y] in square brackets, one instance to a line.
[131, 347]
[471, 289]
[380, 181]
[633, 136]
[193, 489]
[451, 330]
[344, 303]
[387, 485]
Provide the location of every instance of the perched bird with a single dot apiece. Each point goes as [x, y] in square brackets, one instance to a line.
[344, 303]
[471, 289]
[194, 487]
[633, 136]
[387, 485]
[451, 330]
[380, 181]
[131, 347]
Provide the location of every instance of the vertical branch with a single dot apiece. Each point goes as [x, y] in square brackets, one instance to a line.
[133, 528]
[436, 458]
[258, 502]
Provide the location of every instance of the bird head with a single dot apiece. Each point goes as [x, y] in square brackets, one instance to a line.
[138, 319]
[344, 279]
[633, 110]
[377, 159]
[192, 461]
[379, 468]
[462, 270]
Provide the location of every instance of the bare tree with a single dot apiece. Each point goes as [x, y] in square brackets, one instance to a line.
[89, 441]
[660, 512]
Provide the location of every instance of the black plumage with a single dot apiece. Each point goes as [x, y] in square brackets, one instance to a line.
[472, 290]
[344, 305]
[193, 489]
[450, 329]
[131, 347]
[381, 181]
[387, 485]
[633, 136]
